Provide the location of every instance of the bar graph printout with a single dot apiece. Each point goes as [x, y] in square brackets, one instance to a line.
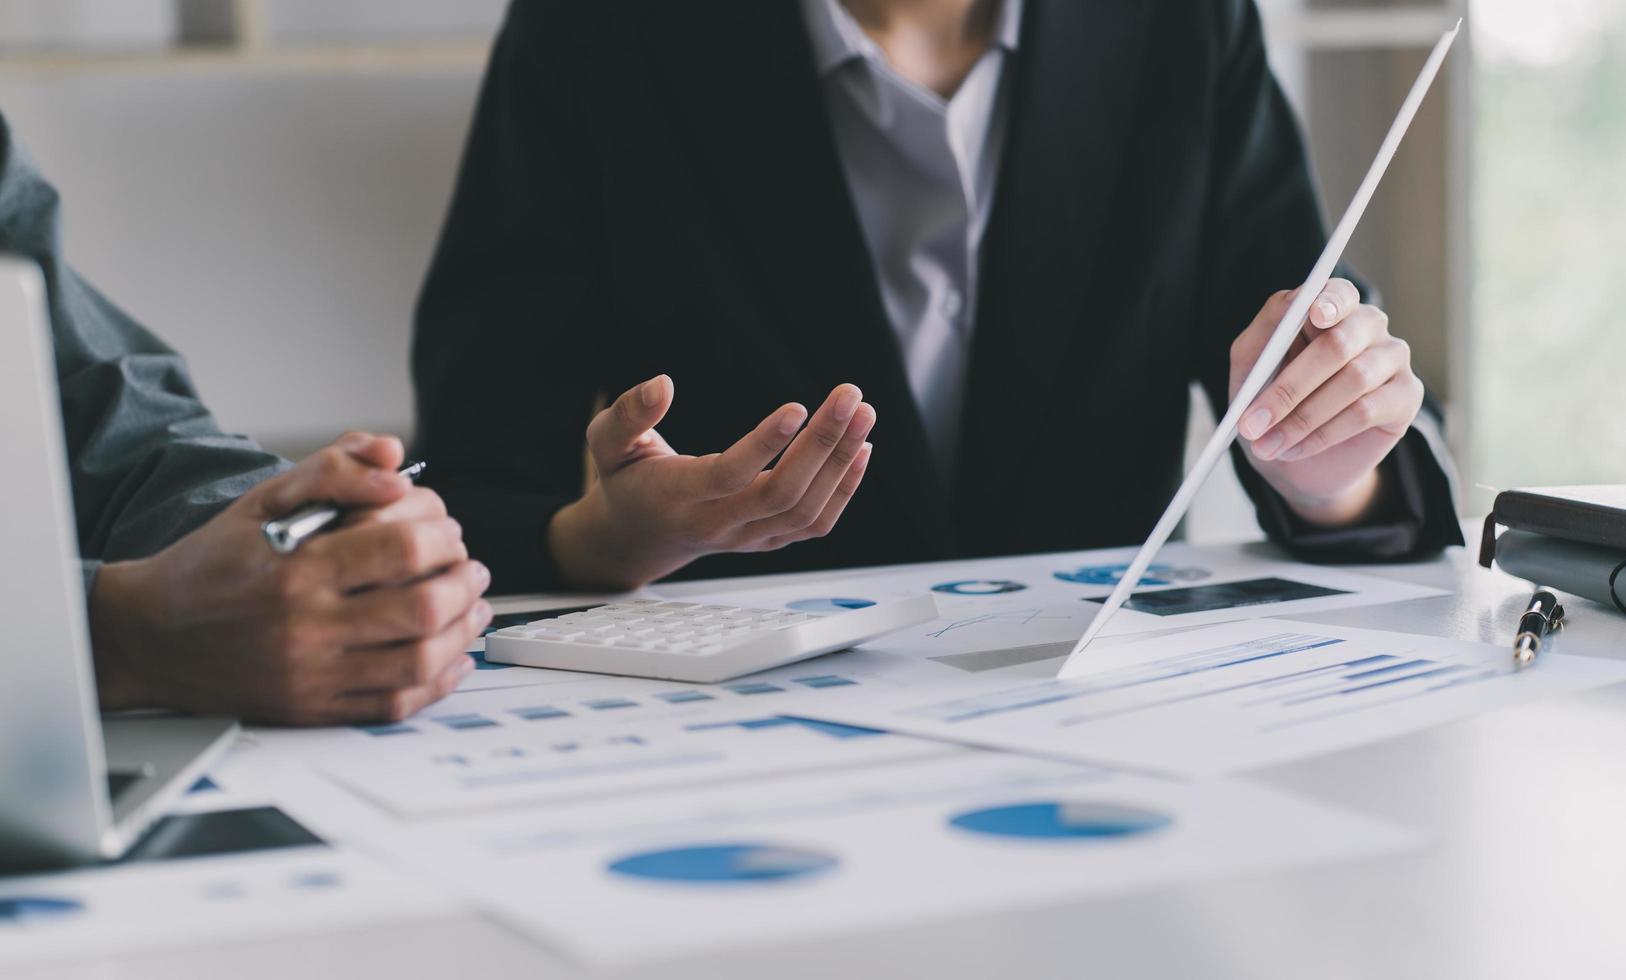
[1232, 698]
[574, 736]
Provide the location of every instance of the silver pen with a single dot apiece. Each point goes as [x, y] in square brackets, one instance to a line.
[288, 532]
[1543, 615]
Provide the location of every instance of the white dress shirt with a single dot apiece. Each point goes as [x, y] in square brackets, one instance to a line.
[922, 172]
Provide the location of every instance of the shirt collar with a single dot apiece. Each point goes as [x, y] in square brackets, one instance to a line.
[837, 38]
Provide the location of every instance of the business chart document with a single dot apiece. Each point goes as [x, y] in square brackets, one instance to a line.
[573, 736]
[817, 854]
[238, 898]
[1231, 698]
[1001, 612]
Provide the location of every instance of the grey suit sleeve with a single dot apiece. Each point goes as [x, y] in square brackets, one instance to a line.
[147, 462]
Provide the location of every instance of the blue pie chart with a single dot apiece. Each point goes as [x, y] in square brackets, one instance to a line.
[1110, 574]
[979, 587]
[828, 605]
[1055, 820]
[740, 863]
[24, 909]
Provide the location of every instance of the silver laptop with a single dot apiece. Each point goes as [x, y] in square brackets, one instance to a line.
[74, 787]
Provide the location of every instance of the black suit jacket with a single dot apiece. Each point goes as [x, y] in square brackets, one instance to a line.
[653, 186]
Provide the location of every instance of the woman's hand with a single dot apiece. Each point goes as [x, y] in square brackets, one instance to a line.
[1344, 396]
[652, 511]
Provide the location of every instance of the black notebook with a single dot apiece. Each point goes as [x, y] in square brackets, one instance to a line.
[1587, 515]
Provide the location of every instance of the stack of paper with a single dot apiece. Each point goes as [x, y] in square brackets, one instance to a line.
[627, 820]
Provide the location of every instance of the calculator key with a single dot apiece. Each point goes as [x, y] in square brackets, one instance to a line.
[692, 642]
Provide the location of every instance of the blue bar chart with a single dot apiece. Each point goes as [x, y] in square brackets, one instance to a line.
[1232, 698]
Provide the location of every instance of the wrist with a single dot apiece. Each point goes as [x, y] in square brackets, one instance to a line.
[122, 620]
[580, 540]
[1343, 509]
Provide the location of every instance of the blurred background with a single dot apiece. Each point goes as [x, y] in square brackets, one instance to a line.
[261, 181]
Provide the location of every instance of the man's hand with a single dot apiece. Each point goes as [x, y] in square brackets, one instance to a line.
[368, 622]
[652, 511]
[1343, 398]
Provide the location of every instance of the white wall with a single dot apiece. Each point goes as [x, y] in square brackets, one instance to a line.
[273, 226]
[81, 24]
[379, 20]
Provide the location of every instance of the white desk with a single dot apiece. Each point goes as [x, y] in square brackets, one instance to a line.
[1525, 808]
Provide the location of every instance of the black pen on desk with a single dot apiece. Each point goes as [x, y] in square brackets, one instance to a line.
[1542, 616]
[288, 532]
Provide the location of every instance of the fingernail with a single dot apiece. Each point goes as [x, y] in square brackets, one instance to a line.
[483, 611]
[355, 440]
[1266, 448]
[1292, 453]
[385, 478]
[790, 420]
[847, 403]
[1327, 311]
[1256, 423]
[650, 391]
[862, 463]
[482, 574]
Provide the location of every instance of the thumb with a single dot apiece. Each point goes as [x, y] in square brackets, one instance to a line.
[385, 452]
[1250, 343]
[356, 471]
[615, 432]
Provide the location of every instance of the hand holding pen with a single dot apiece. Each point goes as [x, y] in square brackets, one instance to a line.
[369, 621]
[286, 533]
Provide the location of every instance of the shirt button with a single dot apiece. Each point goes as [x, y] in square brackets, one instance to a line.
[953, 304]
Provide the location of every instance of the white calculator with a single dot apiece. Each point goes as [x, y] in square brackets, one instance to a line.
[694, 642]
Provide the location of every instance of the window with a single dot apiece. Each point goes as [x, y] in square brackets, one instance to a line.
[1547, 344]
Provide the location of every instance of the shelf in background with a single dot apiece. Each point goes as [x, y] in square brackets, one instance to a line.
[305, 58]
